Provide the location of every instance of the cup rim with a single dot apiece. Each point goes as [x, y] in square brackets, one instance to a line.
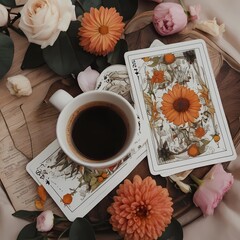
[94, 164]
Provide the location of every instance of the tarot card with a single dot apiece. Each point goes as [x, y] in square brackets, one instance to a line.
[175, 92]
[60, 175]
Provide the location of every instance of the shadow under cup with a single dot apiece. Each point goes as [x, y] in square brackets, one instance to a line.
[97, 129]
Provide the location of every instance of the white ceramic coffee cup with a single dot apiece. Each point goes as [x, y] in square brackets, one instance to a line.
[68, 105]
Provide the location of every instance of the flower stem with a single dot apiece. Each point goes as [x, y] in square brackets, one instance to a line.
[196, 179]
[183, 6]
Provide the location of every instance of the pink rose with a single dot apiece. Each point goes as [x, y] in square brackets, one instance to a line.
[210, 192]
[169, 18]
[87, 79]
[45, 221]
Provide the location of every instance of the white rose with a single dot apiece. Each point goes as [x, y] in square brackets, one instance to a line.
[3, 15]
[43, 20]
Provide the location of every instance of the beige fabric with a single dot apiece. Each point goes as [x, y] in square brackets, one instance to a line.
[225, 223]
[9, 225]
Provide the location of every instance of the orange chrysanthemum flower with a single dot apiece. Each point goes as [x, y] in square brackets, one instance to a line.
[158, 76]
[180, 105]
[101, 29]
[141, 210]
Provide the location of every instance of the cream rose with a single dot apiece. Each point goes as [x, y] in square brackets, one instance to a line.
[3, 15]
[43, 20]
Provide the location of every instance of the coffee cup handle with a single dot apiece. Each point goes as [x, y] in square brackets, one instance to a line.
[60, 99]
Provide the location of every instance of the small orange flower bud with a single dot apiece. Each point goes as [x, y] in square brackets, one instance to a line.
[67, 198]
[200, 132]
[42, 193]
[100, 179]
[193, 150]
[216, 138]
[39, 204]
[169, 58]
[104, 175]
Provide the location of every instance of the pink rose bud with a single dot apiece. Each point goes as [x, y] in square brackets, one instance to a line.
[45, 221]
[87, 79]
[169, 18]
[212, 189]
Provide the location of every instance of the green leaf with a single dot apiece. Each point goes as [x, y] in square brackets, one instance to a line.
[33, 57]
[6, 54]
[84, 58]
[87, 4]
[117, 56]
[173, 231]
[27, 215]
[81, 229]
[127, 9]
[8, 3]
[29, 232]
[61, 56]
[100, 63]
[82, 6]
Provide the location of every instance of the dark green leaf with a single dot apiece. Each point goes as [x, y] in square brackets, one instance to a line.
[82, 6]
[27, 215]
[61, 56]
[100, 63]
[87, 4]
[117, 56]
[8, 3]
[6, 54]
[84, 58]
[81, 229]
[127, 9]
[173, 231]
[29, 232]
[33, 57]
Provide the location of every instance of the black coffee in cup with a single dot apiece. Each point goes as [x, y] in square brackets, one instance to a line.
[98, 131]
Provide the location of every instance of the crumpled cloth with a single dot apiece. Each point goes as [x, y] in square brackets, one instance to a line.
[224, 223]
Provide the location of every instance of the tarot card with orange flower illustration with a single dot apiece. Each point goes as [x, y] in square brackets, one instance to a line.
[173, 87]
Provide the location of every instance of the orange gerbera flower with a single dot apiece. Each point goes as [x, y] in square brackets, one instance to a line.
[101, 29]
[141, 210]
[158, 76]
[180, 105]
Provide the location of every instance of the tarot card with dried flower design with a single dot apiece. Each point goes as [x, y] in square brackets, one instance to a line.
[60, 176]
[175, 92]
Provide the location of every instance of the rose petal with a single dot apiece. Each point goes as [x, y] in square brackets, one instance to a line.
[87, 79]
